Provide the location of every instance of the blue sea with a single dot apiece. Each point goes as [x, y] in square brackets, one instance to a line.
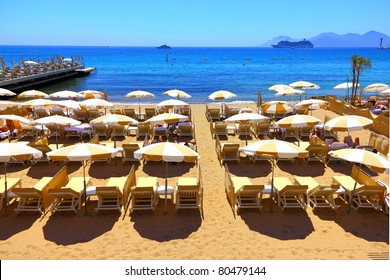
[201, 71]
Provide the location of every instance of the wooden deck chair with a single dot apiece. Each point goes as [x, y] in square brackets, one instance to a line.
[228, 152]
[220, 129]
[100, 129]
[116, 111]
[242, 193]
[143, 196]
[160, 131]
[56, 111]
[305, 131]
[27, 131]
[113, 195]
[214, 114]
[185, 129]
[262, 130]
[130, 112]
[55, 130]
[143, 129]
[244, 129]
[290, 132]
[69, 196]
[289, 195]
[92, 114]
[128, 151]
[321, 196]
[32, 198]
[40, 113]
[12, 184]
[118, 130]
[327, 133]
[149, 112]
[317, 153]
[189, 193]
[80, 115]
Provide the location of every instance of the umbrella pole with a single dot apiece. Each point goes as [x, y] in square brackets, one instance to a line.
[354, 188]
[139, 106]
[6, 191]
[85, 191]
[272, 185]
[57, 137]
[166, 187]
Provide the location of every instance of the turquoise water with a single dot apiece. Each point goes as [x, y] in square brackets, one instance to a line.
[201, 71]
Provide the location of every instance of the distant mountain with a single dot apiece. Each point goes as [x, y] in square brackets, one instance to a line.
[330, 39]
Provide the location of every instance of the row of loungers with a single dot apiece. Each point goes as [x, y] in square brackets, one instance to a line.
[306, 191]
[62, 193]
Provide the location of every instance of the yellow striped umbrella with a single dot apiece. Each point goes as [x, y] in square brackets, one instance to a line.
[374, 161]
[33, 94]
[313, 104]
[82, 152]
[348, 123]
[166, 118]
[90, 94]
[280, 87]
[177, 93]
[276, 108]
[39, 103]
[15, 151]
[297, 121]
[168, 152]
[221, 95]
[114, 119]
[274, 149]
[304, 85]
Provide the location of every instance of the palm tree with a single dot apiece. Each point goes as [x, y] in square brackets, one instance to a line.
[359, 64]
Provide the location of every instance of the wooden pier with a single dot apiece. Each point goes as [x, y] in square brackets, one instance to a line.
[37, 80]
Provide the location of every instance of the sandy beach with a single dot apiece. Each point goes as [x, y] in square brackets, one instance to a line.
[322, 234]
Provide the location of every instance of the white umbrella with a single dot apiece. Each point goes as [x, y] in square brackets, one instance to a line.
[274, 148]
[15, 151]
[166, 118]
[168, 152]
[97, 103]
[139, 94]
[6, 92]
[289, 92]
[89, 94]
[304, 85]
[171, 103]
[15, 118]
[221, 95]
[312, 104]
[66, 94]
[376, 87]
[297, 121]
[82, 152]
[33, 94]
[348, 123]
[30, 62]
[69, 104]
[344, 86]
[39, 103]
[385, 92]
[56, 120]
[177, 93]
[280, 87]
[9, 103]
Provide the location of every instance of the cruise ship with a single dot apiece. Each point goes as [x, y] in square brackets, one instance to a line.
[304, 44]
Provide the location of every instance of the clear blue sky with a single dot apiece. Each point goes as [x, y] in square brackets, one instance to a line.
[183, 22]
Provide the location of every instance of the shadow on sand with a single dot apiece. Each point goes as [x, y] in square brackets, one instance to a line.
[13, 224]
[159, 227]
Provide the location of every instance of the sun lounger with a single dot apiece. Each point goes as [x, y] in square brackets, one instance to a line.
[242, 193]
[321, 196]
[189, 193]
[12, 183]
[32, 198]
[228, 152]
[128, 151]
[68, 197]
[114, 194]
[144, 195]
[288, 194]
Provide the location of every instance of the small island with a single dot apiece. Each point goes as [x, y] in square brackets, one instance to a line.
[165, 46]
[305, 44]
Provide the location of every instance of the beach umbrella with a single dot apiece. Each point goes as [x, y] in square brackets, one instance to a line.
[297, 121]
[361, 156]
[69, 104]
[280, 87]
[39, 102]
[139, 94]
[15, 151]
[289, 92]
[97, 103]
[66, 94]
[56, 120]
[111, 119]
[6, 92]
[276, 108]
[385, 92]
[344, 86]
[89, 94]
[312, 104]
[376, 87]
[304, 85]
[9, 103]
[177, 93]
[83, 152]
[33, 94]
[30, 62]
[171, 103]
[15, 118]
[275, 102]
[348, 123]
[166, 118]
[168, 152]
[274, 149]
[221, 95]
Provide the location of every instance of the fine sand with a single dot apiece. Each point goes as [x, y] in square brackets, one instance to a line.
[291, 234]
